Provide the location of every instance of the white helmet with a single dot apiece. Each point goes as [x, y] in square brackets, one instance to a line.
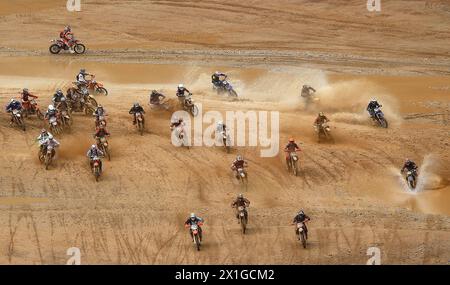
[192, 215]
[180, 85]
[217, 72]
[50, 107]
[373, 100]
[50, 137]
[93, 146]
[220, 123]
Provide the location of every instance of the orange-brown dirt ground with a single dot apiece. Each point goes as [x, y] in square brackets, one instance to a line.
[351, 189]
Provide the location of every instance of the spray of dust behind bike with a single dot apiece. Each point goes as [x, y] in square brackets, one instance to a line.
[260, 133]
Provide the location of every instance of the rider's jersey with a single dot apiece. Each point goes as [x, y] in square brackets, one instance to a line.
[135, 110]
[101, 133]
[372, 105]
[53, 143]
[292, 146]
[320, 120]
[154, 97]
[300, 218]
[244, 202]
[94, 153]
[16, 105]
[195, 221]
[50, 113]
[81, 78]
[43, 137]
[181, 92]
[25, 96]
[409, 165]
[238, 164]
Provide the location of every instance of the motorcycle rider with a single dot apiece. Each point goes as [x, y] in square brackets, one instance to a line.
[67, 36]
[13, 105]
[81, 78]
[181, 93]
[292, 146]
[25, 95]
[50, 141]
[62, 105]
[301, 217]
[193, 219]
[241, 202]
[321, 118]
[57, 96]
[99, 112]
[51, 112]
[155, 97]
[136, 109]
[306, 91]
[238, 163]
[93, 152]
[215, 78]
[100, 132]
[410, 166]
[43, 136]
[176, 122]
[373, 104]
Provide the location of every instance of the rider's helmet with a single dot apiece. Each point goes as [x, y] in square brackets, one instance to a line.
[13, 100]
[83, 71]
[25, 90]
[63, 99]
[192, 216]
[321, 114]
[59, 92]
[50, 137]
[180, 86]
[301, 212]
[43, 131]
[373, 100]
[291, 140]
[136, 104]
[220, 123]
[240, 196]
[93, 146]
[51, 107]
[99, 106]
[154, 92]
[68, 28]
[239, 158]
[217, 72]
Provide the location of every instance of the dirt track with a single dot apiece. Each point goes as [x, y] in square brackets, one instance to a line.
[135, 214]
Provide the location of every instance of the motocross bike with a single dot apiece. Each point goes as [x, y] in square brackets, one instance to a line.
[103, 145]
[101, 120]
[59, 45]
[243, 218]
[17, 119]
[31, 108]
[292, 162]
[379, 117]
[97, 87]
[190, 106]
[324, 132]
[225, 86]
[54, 126]
[226, 140]
[301, 228]
[140, 122]
[82, 90]
[96, 170]
[65, 118]
[411, 179]
[194, 229]
[180, 135]
[242, 176]
[46, 155]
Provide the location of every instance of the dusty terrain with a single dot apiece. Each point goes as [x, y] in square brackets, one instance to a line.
[135, 214]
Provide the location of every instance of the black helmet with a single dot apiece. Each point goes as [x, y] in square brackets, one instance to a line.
[59, 92]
